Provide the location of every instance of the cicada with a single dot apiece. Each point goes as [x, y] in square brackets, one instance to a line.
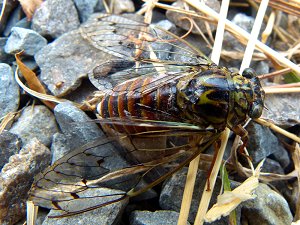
[158, 86]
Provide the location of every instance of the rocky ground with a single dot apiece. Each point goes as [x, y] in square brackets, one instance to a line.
[55, 49]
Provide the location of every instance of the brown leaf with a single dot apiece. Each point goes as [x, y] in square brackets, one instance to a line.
[32, 81]
[29, 7]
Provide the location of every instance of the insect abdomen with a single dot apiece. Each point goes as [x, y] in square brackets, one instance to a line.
[127, 100]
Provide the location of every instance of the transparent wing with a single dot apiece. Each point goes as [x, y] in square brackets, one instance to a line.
[159, 53]
[96, 174]
[129, 38]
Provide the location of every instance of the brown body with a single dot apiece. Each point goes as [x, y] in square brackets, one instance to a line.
[213, 97]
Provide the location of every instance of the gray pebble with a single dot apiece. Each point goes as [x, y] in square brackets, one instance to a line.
[16, 178]
[4, 57]
[10, 144]
[172, 192]
[185, 24]
[262, 142]
[165, 217]
[87, 7]
[37, 121]
[59, 147]
[24, 39]
[109, 214]
[76, 125]
[67, 60]
[55, 17]
[9, 91]
[283, 109]
[269, 208]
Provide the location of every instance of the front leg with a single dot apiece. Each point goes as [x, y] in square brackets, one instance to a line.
[239, 130]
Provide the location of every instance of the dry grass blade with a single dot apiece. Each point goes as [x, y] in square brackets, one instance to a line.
[32, 211]
[278, 129]
[8, 118]
[254, 35]
[206, 196]
[296, 160]
[193, 167]
[285, 6]
[245, 35]
[281, 90]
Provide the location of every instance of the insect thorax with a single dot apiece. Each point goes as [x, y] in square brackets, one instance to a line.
[216, 97]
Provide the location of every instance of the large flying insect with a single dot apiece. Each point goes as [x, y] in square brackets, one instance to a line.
[157, 86]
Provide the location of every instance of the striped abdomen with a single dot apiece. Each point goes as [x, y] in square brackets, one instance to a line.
[128, 101]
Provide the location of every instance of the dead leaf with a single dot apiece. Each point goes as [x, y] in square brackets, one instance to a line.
[32, 80]
[229, 200]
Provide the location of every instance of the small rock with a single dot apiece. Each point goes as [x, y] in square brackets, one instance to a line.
[124, 6]
[165, 217]
[14, 17]
[37, 121]
[10, 144]
[261, 67]
[109, 214]
[172, 192]
[245, 22]
[283, 110]
[68, 59]
[282, 157]
[87, 7]
[24, 39]
[4, 57]
[78, 128]
[59, 147]
[16, 178]
[262, 142]
[269, 208]
[23, 23]
[185, 24]
[55, 17]
[7, 6]
[9, 91]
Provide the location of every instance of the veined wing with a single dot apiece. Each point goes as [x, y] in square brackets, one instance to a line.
[124, 36]
[66, 186]
[160, 53]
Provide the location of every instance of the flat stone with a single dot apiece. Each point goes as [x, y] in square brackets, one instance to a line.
[16, 178]
[165, 217]
[67, 60]
[55, 17]
[283, 109]
[10, 144]
[109, 214]
[9, 91]
[24, 39]
[269, 208]
[37, 121]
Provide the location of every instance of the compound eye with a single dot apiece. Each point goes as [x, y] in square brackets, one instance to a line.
[249, 73]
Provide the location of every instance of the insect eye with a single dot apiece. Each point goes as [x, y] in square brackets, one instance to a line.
[249, 73]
